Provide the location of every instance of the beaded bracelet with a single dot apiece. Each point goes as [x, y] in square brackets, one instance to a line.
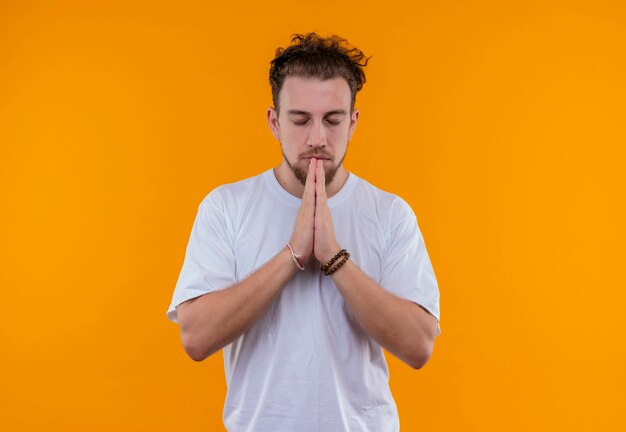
[333, 259]
[338, 265]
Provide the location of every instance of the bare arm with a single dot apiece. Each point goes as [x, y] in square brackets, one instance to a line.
[211, 321]
[399, 325]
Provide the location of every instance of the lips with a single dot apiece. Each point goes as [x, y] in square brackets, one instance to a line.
[317, 157]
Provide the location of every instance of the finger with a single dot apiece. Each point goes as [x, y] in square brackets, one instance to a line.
[309, 186]
[320, 183]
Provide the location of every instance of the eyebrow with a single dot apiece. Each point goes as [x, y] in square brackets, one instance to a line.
[333, 112]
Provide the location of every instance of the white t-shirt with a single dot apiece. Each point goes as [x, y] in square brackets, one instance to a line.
[306, 364]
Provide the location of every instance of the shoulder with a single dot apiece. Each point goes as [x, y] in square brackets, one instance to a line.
[234, 194]
[389, 206]
[226, 204]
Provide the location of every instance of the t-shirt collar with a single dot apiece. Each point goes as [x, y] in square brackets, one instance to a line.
[293, 201]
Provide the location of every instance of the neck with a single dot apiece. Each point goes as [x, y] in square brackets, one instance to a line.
[291, 184]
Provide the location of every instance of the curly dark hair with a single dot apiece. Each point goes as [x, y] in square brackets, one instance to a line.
[311, 55]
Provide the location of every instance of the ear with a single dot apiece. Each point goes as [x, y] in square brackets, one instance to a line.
[354, 118]
[272, 121]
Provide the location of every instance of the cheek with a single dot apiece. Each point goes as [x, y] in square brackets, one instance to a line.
[339, 135]
[294, 137]
[291, 140]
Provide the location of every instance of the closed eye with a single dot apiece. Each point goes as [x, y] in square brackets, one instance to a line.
[331, 122]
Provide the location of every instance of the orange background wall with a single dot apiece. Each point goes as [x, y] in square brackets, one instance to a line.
[501, 123]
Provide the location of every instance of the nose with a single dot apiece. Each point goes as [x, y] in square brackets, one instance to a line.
[317, 135]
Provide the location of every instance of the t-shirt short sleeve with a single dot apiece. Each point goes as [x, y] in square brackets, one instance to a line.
[209, 263]
[407, 270]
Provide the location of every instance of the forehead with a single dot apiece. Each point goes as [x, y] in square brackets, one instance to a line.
[314, 95]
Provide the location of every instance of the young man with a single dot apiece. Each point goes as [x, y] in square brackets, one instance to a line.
[305, 272]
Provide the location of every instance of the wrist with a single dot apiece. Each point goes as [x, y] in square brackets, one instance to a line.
[335, 263]
[298, 259]
[285, 261]
[337, 268]
[327, 256]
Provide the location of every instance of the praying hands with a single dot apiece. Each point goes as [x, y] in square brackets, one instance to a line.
[313, 233]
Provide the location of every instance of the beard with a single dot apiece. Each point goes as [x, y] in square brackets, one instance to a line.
[301, 174]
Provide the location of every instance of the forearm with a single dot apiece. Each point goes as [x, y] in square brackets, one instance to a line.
[397, 324]
[210, 322]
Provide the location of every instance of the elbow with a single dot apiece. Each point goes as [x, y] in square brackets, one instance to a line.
[198, 346]
[195, 350]
[420, 356]
[418, 362]
[195, 355]
[423, 349]
[191, 347]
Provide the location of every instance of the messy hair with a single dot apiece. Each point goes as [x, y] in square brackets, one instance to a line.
[311, 55]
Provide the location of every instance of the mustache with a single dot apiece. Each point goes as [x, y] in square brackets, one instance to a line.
[317, 154]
